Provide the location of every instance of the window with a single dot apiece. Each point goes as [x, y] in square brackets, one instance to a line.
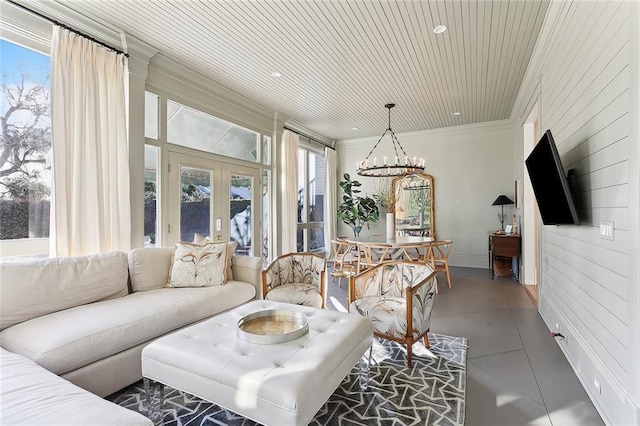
[25, 172]
[151, 103]
[195, 129]
[151, 207]
[266, 149]
[266, 219]
[311, 181]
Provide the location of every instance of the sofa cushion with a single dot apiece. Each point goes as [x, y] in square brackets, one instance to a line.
[231, 249]
[196, 265]
[31, 395]
[66, 340]
[31, 288]
[149, 267]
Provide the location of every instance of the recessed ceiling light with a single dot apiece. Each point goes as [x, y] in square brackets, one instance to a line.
[440, 29]
[276, 74]
[457, 113]
[354, 128]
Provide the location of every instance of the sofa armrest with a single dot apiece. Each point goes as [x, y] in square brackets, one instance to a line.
[248, 269]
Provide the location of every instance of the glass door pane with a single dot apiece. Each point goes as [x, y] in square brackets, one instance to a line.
[241, 203]
[195, 202]
[218, 200]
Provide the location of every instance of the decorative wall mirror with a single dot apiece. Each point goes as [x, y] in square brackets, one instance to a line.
[413, 208]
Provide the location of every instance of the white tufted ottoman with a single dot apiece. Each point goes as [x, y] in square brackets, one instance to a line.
[281, 384]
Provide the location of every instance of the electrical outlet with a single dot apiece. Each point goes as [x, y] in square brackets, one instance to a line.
[596, 385]
[606, 230]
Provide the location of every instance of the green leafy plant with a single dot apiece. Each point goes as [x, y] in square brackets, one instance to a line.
[355, 210]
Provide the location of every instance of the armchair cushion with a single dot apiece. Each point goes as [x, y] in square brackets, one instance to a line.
[297, 293]
[387, 314]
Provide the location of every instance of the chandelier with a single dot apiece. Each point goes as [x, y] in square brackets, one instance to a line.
[399, 166]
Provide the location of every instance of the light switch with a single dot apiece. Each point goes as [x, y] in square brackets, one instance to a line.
[606, 230]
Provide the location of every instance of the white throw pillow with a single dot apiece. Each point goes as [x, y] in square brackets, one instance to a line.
[196, 265]
[231, 248]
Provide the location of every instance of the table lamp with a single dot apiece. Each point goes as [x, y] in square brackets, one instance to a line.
[501, 201]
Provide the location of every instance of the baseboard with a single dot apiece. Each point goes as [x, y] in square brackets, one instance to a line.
[469, 260]
[613, 402]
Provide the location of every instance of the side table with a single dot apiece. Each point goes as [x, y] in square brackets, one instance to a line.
[501, 249]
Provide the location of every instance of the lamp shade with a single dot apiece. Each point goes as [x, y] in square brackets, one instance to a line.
[502, 200]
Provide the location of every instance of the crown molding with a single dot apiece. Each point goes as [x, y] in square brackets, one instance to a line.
[24, 28]
[102, 31]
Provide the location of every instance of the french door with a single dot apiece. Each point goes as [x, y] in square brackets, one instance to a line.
[215, 199]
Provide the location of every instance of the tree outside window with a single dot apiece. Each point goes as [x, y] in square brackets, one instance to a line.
[25, 177]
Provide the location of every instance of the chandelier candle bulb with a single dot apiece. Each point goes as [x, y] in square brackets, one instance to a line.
[385, 161]
[375, 161]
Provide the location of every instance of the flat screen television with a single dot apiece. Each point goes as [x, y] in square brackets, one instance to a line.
[550, 184]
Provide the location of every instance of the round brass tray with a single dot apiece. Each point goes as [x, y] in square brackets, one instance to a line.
[272, 326]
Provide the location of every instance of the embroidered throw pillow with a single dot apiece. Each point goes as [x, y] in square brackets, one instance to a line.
[196, 265]
[231, 248]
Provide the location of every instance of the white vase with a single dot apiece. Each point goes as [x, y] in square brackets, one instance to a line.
[391, 226]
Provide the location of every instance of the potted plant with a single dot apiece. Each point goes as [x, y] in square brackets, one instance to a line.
[356, 211]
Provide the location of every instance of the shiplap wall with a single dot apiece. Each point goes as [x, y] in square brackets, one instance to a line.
[581, 69]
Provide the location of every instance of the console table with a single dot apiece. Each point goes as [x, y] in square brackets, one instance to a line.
[502, 247]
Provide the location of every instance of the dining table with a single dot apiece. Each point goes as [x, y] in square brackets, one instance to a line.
[397, 241]
[374, 249]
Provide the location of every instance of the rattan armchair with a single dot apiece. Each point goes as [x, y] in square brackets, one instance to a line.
[297, 278]
[398, 298]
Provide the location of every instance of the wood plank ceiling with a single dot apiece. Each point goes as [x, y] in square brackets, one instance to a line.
[341, 61]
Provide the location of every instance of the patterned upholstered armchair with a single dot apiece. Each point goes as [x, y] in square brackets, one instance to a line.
[397, 297]
[297, 278]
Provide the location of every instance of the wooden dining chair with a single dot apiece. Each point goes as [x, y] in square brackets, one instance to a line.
[414, 253]
[372, 254]
[345, 259]
[439, 258]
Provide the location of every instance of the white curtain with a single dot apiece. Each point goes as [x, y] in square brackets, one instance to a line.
[289, 181]
[90, 197]
[330, 198]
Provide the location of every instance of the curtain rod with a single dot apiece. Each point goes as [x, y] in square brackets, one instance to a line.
[308, 137]
[66, 27]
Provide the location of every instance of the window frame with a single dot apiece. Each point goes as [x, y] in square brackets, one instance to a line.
[306, 225]
[27, 31]
[162, 211]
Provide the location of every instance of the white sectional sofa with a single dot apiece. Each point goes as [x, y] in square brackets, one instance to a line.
[33, 396]
[87, 319]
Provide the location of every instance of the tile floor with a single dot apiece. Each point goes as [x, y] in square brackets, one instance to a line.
[516, 373]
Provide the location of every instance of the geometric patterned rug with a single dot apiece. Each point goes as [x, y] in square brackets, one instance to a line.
[431, 392]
